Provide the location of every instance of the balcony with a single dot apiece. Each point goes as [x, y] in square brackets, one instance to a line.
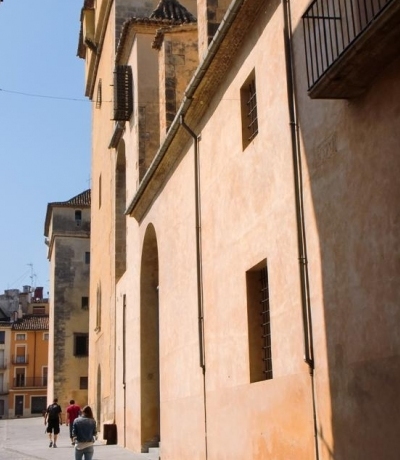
[3, 365]
[29, 382]
[20, 359]
[347, 44]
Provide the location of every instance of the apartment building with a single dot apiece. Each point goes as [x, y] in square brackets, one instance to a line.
[24, 333]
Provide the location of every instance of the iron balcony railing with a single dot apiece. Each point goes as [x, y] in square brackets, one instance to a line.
[27, 382]
[20, 359]
[3, 365]
[331, 27]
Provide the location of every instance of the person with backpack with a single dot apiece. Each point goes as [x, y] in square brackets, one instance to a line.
[53, 421]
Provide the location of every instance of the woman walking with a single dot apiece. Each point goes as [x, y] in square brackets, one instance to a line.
[84, 432]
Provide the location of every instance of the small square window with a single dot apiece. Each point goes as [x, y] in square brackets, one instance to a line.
[20, 337]
[46, 336]
[83, 383]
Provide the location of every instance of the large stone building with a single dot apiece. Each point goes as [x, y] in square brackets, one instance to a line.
[245, 226]
[67, 231]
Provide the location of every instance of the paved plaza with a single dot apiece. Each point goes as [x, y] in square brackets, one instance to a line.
[25, 439]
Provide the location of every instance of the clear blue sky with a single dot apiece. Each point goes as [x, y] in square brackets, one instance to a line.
[44, 132]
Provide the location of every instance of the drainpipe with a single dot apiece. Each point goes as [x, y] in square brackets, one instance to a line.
[301, 233]
[198, 242]
[124, 360]
[199, 270]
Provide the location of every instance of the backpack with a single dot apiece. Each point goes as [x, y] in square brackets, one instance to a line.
[53, 411]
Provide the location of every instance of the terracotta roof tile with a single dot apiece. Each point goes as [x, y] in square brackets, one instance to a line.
[82, 200]
[173, 11]
[32, 323]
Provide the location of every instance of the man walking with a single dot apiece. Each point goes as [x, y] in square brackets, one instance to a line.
[73, 411]
[53, 420]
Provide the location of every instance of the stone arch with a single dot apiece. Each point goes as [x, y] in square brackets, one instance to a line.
[149, 342]
[120, 206]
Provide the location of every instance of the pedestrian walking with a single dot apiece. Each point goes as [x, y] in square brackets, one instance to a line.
[73, 411]
[84, 433]
[53, 420]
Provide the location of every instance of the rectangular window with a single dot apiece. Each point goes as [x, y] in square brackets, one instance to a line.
[83, 383]
[39, 310]
[20, 337]
[46, 336]
[259, 324]
[19, 377]
[87, 257]
[78, 218]
[85, 303]
[81, 345]
[248, 102]
[44, 375]
[2, 337]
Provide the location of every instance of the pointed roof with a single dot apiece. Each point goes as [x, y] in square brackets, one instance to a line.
[83, 200]
[172, 10]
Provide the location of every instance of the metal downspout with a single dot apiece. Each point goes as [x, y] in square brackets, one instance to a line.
[301, 233]
[199, 270]
[124, 360]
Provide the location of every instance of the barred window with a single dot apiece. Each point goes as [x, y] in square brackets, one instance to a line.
[248, 100]
[259, 323]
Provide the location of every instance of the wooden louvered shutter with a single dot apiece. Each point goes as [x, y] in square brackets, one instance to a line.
[123, 93]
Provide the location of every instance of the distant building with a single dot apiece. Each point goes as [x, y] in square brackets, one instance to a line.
[67, 231]
[5, 353]
[24, 335]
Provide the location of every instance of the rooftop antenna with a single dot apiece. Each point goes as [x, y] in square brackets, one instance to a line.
[33, 278]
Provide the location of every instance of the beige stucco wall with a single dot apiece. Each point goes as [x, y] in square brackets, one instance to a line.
[350, 168]
[350, 156]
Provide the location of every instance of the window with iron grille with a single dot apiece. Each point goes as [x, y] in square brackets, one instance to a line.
[99, 98]
[248, 100]
[123, 93]
[259, 323]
